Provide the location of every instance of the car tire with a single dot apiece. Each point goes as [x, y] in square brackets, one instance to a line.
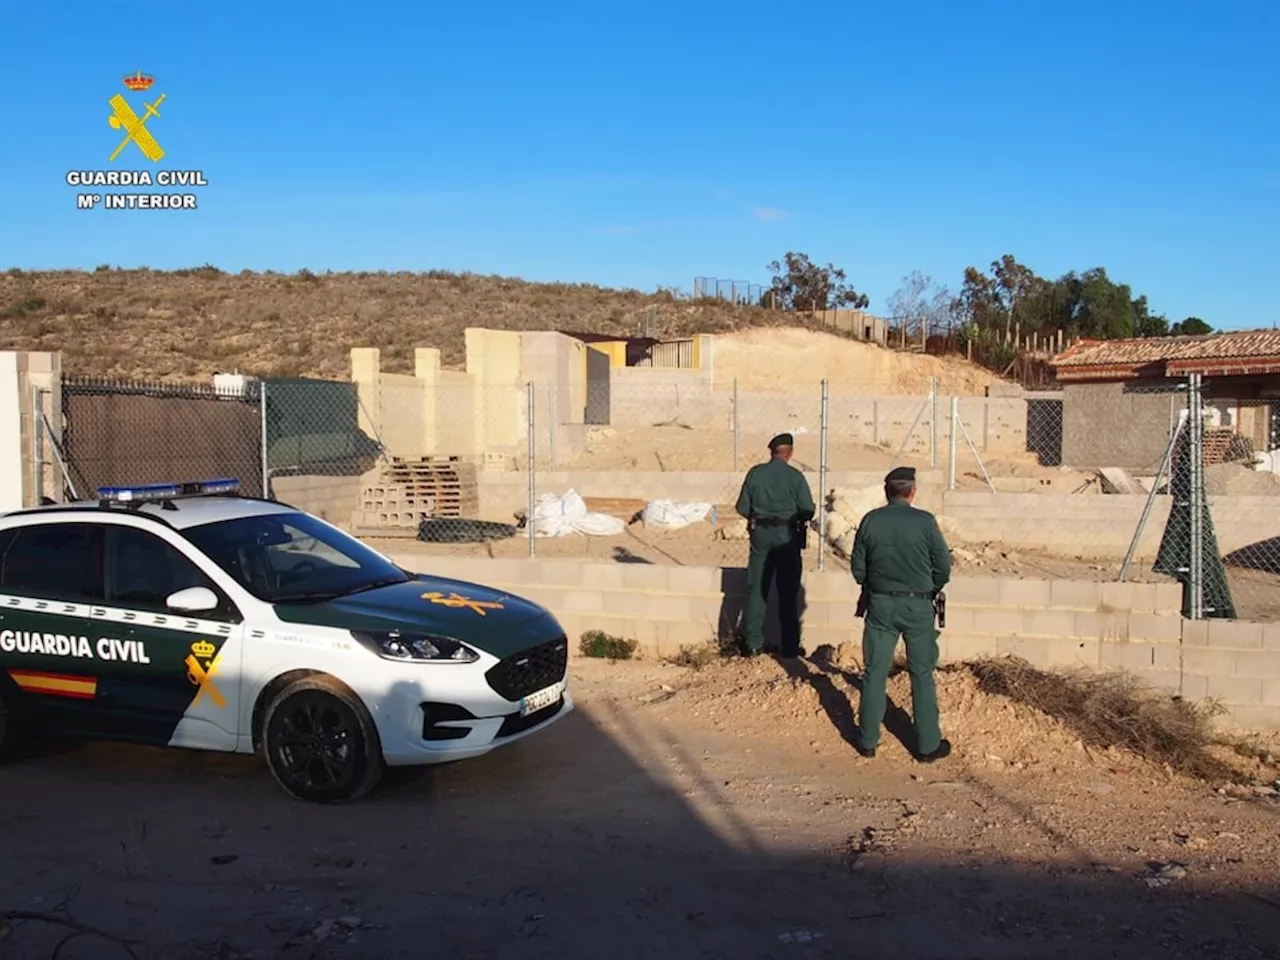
[320, 743]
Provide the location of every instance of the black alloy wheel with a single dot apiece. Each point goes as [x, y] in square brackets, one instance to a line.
[320, 742]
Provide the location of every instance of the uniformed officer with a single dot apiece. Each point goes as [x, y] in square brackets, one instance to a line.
[778, 505]
[902, 562]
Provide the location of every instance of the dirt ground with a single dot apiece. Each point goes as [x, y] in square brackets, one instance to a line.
[718, 813]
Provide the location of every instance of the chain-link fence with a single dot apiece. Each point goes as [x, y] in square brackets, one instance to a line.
[1097, 481]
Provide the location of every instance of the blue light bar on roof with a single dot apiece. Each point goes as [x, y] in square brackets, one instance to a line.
[168, 491]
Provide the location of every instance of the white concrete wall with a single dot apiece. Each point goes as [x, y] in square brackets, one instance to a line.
[12, 457]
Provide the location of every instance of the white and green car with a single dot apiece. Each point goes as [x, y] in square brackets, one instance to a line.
[185, 615]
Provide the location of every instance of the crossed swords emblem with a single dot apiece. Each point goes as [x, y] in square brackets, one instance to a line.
[203, 679]
[457, 601]
[122, 116]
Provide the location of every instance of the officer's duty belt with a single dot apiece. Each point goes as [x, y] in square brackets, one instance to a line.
[770, 521]
[928, 595]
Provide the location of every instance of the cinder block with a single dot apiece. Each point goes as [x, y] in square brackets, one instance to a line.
[646, 576]
[1271, 637]
[999, 622]
[1031, 594]
[1065, 652]
[628, 603]
[1076, 594]
[1166, 681]
[1195, 633]
[581, 601]
[974, 592]
[1235, 690]
[1271, 693]
[666, 606]
[964, 646]
[1235, 634]
[1194, 687]
[1049, 623]
[1035, 650]
[1168, 598]
[1248, 717]
[1105, 627]
[559, 573]
[1156, 627]
[599, 576]
[960, 619]
[1118, 595]
[1168, 656]
[1207, 662]
[650, 634]
[1128, 656]
[1259, 664]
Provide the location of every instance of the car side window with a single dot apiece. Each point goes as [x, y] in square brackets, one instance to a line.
[143, 571]
[53, 561]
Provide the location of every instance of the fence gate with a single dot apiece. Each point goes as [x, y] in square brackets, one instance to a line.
[119, 432]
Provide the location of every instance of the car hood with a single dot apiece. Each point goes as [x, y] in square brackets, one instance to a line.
[491, 620]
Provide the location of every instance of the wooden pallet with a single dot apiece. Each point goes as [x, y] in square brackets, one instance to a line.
[400, 495]
[1224, 445]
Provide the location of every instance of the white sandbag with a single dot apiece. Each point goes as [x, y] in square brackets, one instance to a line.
[843, 546]
[556, 516]
[837, 527]
[734, 528]
[670, 515]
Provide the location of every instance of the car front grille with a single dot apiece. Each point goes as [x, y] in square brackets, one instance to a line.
[530, 670]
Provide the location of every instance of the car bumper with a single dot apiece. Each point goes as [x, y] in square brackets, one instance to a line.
[436, 729]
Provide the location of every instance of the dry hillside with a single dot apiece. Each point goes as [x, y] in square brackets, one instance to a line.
[188, 324]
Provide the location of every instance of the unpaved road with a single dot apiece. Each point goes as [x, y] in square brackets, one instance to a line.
[677, 814]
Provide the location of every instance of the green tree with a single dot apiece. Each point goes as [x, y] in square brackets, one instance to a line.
[800, 284]
[1192, 326]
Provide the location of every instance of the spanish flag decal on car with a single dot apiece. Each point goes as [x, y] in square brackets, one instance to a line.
[55, 684]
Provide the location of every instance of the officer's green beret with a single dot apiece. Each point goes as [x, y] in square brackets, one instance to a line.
[782, 440]
[901, 473]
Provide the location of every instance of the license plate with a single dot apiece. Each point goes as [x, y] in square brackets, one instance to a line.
[543, 698]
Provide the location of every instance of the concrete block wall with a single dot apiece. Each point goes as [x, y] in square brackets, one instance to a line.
[1101, 526]
[330, 498]
[1050, 623]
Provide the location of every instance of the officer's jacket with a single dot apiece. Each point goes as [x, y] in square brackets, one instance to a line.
[776, 489]
[899, 548]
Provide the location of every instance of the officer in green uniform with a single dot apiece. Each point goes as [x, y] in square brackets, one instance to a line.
[902, 562]
[776, 501]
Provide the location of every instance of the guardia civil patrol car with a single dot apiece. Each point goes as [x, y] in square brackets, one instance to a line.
[186, 615]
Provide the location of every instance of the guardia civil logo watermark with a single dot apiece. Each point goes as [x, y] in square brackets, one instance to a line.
[142, 130]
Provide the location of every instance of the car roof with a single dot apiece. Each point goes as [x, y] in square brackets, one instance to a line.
[182, 512]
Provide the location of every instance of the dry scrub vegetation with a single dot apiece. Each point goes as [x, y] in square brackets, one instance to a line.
[187, 324]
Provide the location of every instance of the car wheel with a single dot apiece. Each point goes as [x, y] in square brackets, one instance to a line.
[320, 742]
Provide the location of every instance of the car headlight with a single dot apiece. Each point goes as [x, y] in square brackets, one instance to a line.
[416, 647]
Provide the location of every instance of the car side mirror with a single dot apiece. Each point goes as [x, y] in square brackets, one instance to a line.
[193, 600]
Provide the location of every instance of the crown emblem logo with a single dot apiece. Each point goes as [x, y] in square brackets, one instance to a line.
[139, 81]
[203, 648]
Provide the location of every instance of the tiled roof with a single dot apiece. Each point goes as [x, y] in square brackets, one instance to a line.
[1230, 353]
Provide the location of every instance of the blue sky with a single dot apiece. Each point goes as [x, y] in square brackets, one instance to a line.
[645, 144]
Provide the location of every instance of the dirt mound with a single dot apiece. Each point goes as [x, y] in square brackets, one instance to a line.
[776, 360]
[1001, 715]
[1239, 480]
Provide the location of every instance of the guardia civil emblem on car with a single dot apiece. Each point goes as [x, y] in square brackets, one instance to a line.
[187, 615]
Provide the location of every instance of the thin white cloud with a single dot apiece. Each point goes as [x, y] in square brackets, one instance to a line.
[770, 214]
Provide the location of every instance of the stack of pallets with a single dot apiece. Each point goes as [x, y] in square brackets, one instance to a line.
[397, 496]
[1224, 445]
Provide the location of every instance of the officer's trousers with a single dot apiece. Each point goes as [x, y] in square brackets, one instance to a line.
[887, 618]
[771, 561]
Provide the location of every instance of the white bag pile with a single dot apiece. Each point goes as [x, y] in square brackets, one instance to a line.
[669, 515]
[845, 510]
[555, 516]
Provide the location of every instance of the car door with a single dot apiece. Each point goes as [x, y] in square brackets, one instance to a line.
[187, 692]
[50, 575]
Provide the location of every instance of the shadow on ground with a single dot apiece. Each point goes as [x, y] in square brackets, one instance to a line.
[572, 844]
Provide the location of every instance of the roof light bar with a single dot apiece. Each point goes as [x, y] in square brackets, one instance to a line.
[169, 491]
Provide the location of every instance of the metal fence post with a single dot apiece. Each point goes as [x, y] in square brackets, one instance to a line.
[735, 424]
[822, 480]
[1195, 414]
[933, 423]
[266, 470]
[533, 448]
[955, 428]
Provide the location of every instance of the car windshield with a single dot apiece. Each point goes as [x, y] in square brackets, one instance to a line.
[293, 558]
